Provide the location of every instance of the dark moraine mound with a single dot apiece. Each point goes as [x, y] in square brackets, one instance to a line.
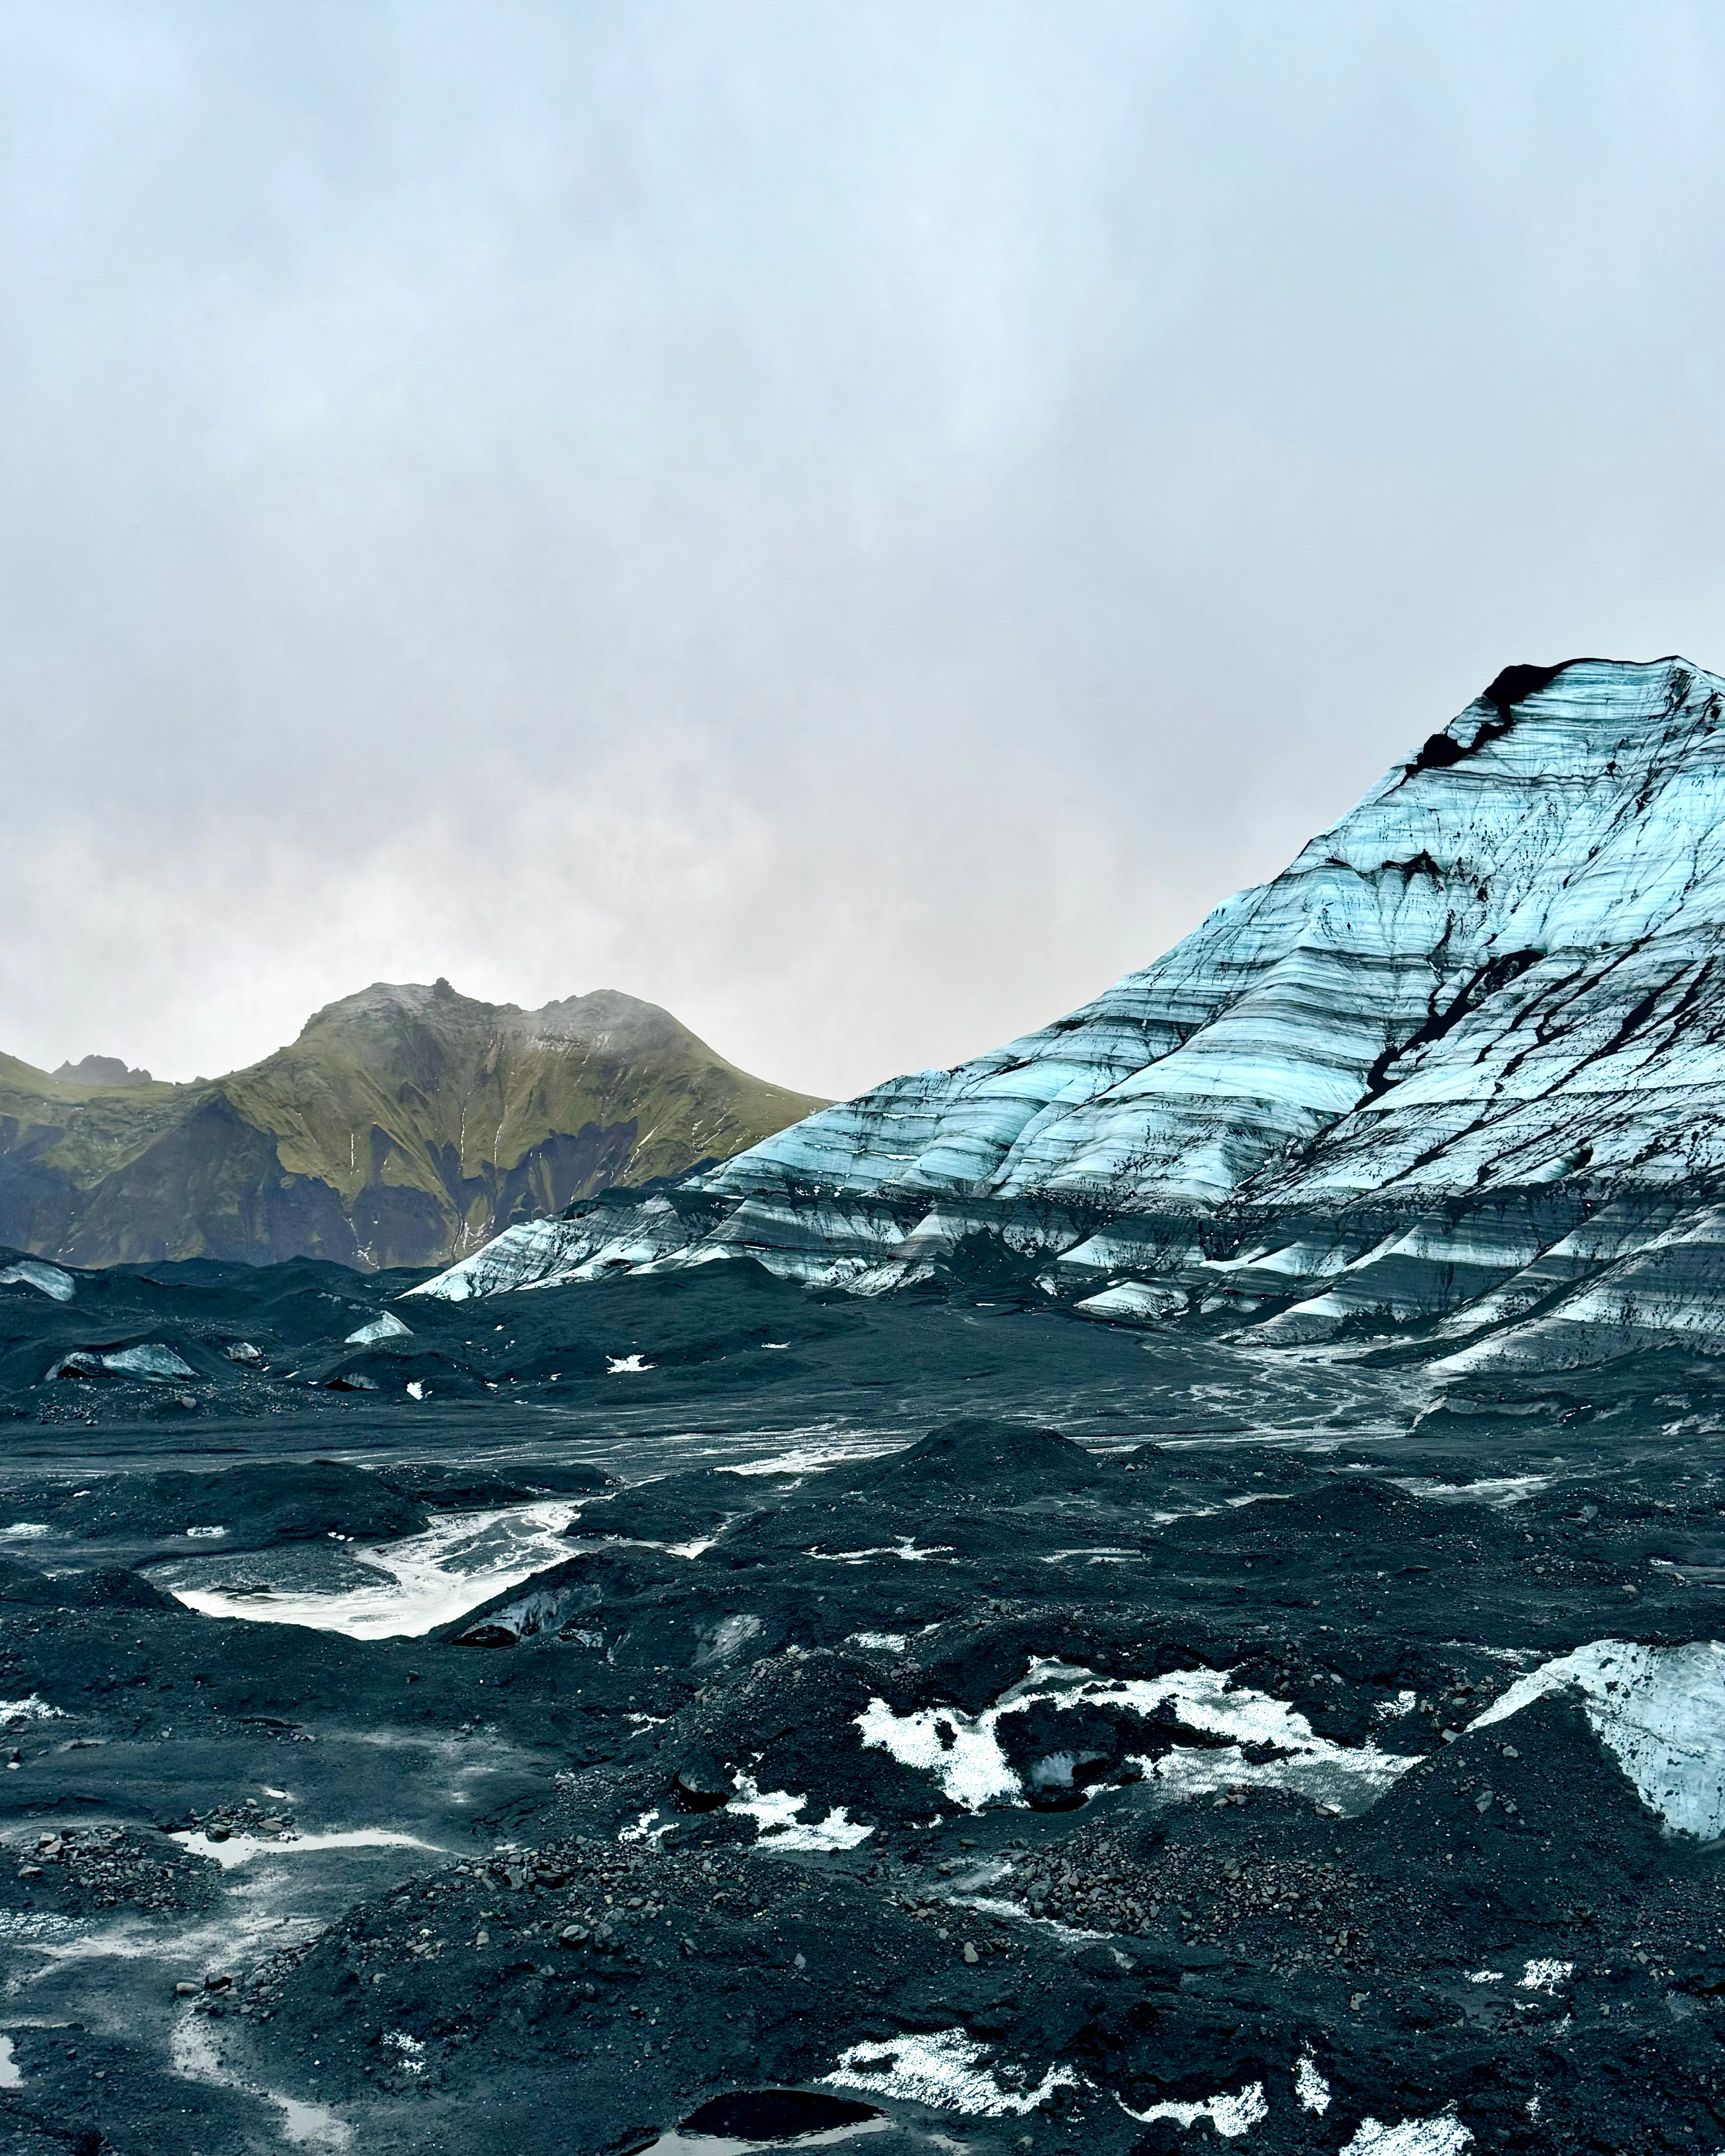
[977, 1453]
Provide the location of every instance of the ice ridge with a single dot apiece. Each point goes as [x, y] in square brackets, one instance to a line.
[1462, 1063]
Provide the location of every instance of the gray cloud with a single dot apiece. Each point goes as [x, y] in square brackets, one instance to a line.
[859, 524]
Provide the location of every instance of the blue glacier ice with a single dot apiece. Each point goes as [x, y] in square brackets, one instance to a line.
[1462, 1063]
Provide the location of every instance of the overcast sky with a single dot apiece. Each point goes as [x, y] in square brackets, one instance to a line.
[857, 522]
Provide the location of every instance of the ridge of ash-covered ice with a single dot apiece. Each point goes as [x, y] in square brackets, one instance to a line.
[1460, 1064]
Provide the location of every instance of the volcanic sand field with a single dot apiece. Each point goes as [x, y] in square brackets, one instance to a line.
[983, 1727]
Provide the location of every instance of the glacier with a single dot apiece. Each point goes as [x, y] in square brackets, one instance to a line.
[1461, 1066]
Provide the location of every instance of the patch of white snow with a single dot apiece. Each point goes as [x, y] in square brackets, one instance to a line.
[1309, 2086]
[774, 1812]
[35, 1708]
[965, 1751]
[241, 1848]
[944, 2070]
[1444, 2135]
[1230, 2115]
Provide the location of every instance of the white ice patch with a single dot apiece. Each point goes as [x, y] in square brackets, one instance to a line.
[1484, 1976]
[1134, 1302]
[944, 2070]
[1310, 2087]
[205, 1534]
[35, 1708]
[1659, 1711]
[807, 1459]
[11, 2075]
[412, 2050]
[417, 1389]
[241, 1848]
[908, 1549]
[1545, 1975]
[48, 1280]
[422, 1581]
[617, 1365]
[152, 1360]
[1500, 1490]
[727, 1637]
[648, 1827]
[1442, 2136]
[1230, 2115]
[24, 1531]
[388, 1326]
[774, 1812]
[965, 1751]
[883, 1643]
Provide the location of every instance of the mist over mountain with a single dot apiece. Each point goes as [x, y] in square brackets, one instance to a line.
[404, 1126]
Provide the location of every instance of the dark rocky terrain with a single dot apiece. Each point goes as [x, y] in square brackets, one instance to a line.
[701, 1711]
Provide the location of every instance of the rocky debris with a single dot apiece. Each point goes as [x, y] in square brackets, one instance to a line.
[245, 1815]
[89, 1868]
[1083, 1955]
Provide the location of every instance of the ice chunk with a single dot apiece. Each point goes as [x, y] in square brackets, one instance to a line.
[48, 1279]
[1134, 1302]
[152, 1360]
[1659, 1711]
[386, 1326]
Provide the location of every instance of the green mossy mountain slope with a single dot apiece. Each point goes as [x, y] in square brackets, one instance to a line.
[403, 1127]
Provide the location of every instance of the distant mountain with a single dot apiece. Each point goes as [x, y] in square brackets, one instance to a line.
[100, 1070]
[1460, 1067]
[403, 1127]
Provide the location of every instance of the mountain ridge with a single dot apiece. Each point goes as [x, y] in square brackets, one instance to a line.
[404, 1124]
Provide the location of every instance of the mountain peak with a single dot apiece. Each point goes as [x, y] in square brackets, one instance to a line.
[405, 1124]
[100, 1070]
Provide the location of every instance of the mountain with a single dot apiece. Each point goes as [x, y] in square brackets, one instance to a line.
[404, 1126]
[1460, 1067]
